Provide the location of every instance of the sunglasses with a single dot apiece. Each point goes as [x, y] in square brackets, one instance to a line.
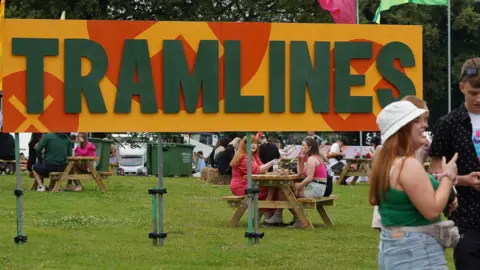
[471, 72]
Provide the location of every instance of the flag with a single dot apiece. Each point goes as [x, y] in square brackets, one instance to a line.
[2, 15]
[342, 11]
[387, 4]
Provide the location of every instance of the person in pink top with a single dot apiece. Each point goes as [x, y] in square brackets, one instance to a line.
[238, 184]
[315, 171]
[84, 149]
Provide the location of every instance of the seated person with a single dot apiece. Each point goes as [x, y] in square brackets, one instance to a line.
[223, 160]
[315, 183]
[56, 147]
[32, 153]
[7, 146]
[238, 184]
[268, 150]
[84, 149]
[376, 142]
[7, 152]
[335, 156]
[200, 161]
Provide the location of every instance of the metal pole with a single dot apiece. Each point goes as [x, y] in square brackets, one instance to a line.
[358, 14]
[449, 52]
[250, 185]
[160, 185]
[18, 189]
[154, 218]
[361, 133]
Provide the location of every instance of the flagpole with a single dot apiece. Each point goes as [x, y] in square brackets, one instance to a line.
[358, 14]
[361, 133]
[449, 52]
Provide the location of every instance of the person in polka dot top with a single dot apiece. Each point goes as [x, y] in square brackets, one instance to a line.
[459, 132]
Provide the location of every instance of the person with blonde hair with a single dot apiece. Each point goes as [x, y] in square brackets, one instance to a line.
[235, 143]
[410, 201]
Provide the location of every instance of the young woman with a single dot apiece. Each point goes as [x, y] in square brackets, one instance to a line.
[313, 167]
[410, 202]
[84, 149]
[421, 155]
[238, 184]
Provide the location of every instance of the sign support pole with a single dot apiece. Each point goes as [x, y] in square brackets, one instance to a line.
[250, 186]
[20, 238]
[252, 192]
[158, 235]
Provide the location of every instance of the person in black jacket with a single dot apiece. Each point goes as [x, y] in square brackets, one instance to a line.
[223, 159]
[7, 146]
[268, 151]
[32, 154]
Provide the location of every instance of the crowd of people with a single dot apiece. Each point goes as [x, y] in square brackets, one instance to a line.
[48, 152]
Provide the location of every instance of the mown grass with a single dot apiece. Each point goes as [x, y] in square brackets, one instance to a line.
[92, 230]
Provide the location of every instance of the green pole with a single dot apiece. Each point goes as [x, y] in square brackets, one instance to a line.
[250, 185]
[20, 238]
[154, 217]
[160, 186]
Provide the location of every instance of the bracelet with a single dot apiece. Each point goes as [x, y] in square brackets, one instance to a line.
[440, 175]
[449, 175]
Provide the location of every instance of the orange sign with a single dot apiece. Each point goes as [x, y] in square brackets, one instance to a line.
[119, 76]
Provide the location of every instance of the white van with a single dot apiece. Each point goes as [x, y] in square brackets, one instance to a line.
[133, 161]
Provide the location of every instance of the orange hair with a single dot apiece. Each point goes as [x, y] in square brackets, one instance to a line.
[397, 145]
[242, 151]
[420, 103]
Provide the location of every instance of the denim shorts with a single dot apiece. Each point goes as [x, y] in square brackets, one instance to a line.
[314, 190]
[412, 250]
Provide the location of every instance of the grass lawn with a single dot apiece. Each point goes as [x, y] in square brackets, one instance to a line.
[91, 230]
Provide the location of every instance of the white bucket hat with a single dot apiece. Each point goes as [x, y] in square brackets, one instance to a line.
[395, 116]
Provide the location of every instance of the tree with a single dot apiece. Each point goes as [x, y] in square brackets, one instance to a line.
[465, 42]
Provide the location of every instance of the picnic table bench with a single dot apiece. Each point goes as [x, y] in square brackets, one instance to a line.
[355, 167]
[240, 202]
[7, 166]
[284, 184]
[56, 178]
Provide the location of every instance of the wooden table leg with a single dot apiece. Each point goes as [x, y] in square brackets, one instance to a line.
[297, 207]
[238, 214]
[64, 176]
[323, 214]
[354, 181]
[343, 175]
[96, 177]
[34, 184]
[367, 169]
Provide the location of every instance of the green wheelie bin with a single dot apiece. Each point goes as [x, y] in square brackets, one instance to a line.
[103, 153]
[177, 159]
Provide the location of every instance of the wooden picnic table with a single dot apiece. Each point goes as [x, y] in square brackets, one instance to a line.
[355, 167]
[56, 178]
[285, 184]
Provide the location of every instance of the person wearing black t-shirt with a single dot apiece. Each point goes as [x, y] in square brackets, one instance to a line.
[268, 151]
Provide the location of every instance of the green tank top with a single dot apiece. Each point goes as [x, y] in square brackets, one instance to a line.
[396, 209]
